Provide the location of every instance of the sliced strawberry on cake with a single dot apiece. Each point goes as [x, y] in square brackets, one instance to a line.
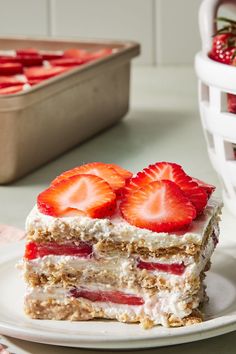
[158, 206]
[113, 174]
[78, 195]
[209, 188]
[171, 172]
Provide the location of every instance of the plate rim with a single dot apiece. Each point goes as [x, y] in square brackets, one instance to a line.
[192, 333]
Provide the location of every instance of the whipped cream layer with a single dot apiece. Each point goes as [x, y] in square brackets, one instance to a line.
[117, 229]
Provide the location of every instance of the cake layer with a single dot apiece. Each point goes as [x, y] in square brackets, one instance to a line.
[116, 233]
[138, 280]
[82, 304]
[81, 310]
[179, 271]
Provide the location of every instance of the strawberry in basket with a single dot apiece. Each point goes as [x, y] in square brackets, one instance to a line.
[224, 51]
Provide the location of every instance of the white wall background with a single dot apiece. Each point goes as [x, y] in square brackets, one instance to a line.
[166, 29]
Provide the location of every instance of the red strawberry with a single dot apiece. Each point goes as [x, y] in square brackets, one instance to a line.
[11, 89]
[78, 195]
[27, 52]
[42, 73]
[75, 53]
[174, 268]
[34, 82]
[231, 98]
[8, 59]
[101, 53]
[11, 68]
[78, 54]
[100, 169]
[28, 60]
[67, 62]
[6, 81]
[231, 102]
[223, 48]
[224, 42]
[172, 172]
[86, 55]
[121, 171]
[37, 250]
[209, 188]
[116, 297]
[47, 55]
[158, 206]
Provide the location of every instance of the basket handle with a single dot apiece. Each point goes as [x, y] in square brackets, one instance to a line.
[207, 15]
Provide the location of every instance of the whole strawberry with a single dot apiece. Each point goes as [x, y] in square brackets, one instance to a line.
[224, 51]
[224, 42]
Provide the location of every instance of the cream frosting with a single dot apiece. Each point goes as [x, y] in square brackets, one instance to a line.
[120, 230]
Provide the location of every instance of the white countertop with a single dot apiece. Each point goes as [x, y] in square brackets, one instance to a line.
[163, 125]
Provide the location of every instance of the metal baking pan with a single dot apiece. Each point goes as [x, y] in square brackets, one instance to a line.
[41, 123]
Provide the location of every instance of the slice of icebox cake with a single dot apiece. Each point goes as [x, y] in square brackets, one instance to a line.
[104, 243]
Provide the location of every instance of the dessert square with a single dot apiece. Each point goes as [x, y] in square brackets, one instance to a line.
[95, 262]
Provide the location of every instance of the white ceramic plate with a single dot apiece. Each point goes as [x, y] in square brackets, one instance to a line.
[220, 313]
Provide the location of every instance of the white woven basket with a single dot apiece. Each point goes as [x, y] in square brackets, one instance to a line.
[215, 81]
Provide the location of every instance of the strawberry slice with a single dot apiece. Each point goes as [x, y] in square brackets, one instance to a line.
[7, 81]
[24, 59]
[30, 60]
[11, 68]
[175, 173]
[47, 55]
[100, 169]
[209, 188]
[34, 82]
[11, 89]
[159, 206]
[8, 59]
[38, 250]
[121, 171]
[174, 268]
[86, 55]
[67, 62]
[27, 52]
[42, 73]
[78, 195]
[101, 53]
[116, 297]
[77, 53]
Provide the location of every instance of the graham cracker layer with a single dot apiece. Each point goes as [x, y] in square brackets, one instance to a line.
[109, 247]
[138, 280]
[83, 310]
